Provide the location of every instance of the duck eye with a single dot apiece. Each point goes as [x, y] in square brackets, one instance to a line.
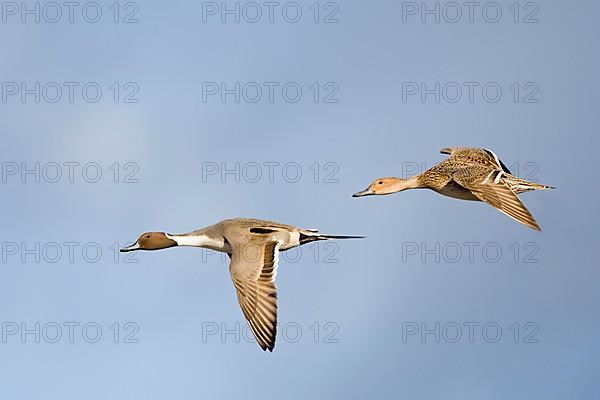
[380, 183]
[147, 236]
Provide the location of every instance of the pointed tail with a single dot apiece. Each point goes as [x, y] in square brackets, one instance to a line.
[519, 185]
[307, 236]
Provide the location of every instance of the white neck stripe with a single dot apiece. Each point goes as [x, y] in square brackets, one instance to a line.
[196, 241]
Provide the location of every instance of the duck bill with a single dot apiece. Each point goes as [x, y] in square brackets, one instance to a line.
[366, 192]
[131, 247]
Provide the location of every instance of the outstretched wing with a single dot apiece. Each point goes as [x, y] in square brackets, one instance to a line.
[447, 150]
[253, 270]
[485, 184]
[473, 155]
[498, 161]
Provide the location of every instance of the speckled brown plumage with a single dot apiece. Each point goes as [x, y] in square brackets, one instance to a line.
[468, 174]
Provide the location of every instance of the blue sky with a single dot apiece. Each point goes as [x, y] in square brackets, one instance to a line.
[354, 316]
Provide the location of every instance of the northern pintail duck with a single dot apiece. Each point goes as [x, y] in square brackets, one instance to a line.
[253, 246]
[468, 174]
